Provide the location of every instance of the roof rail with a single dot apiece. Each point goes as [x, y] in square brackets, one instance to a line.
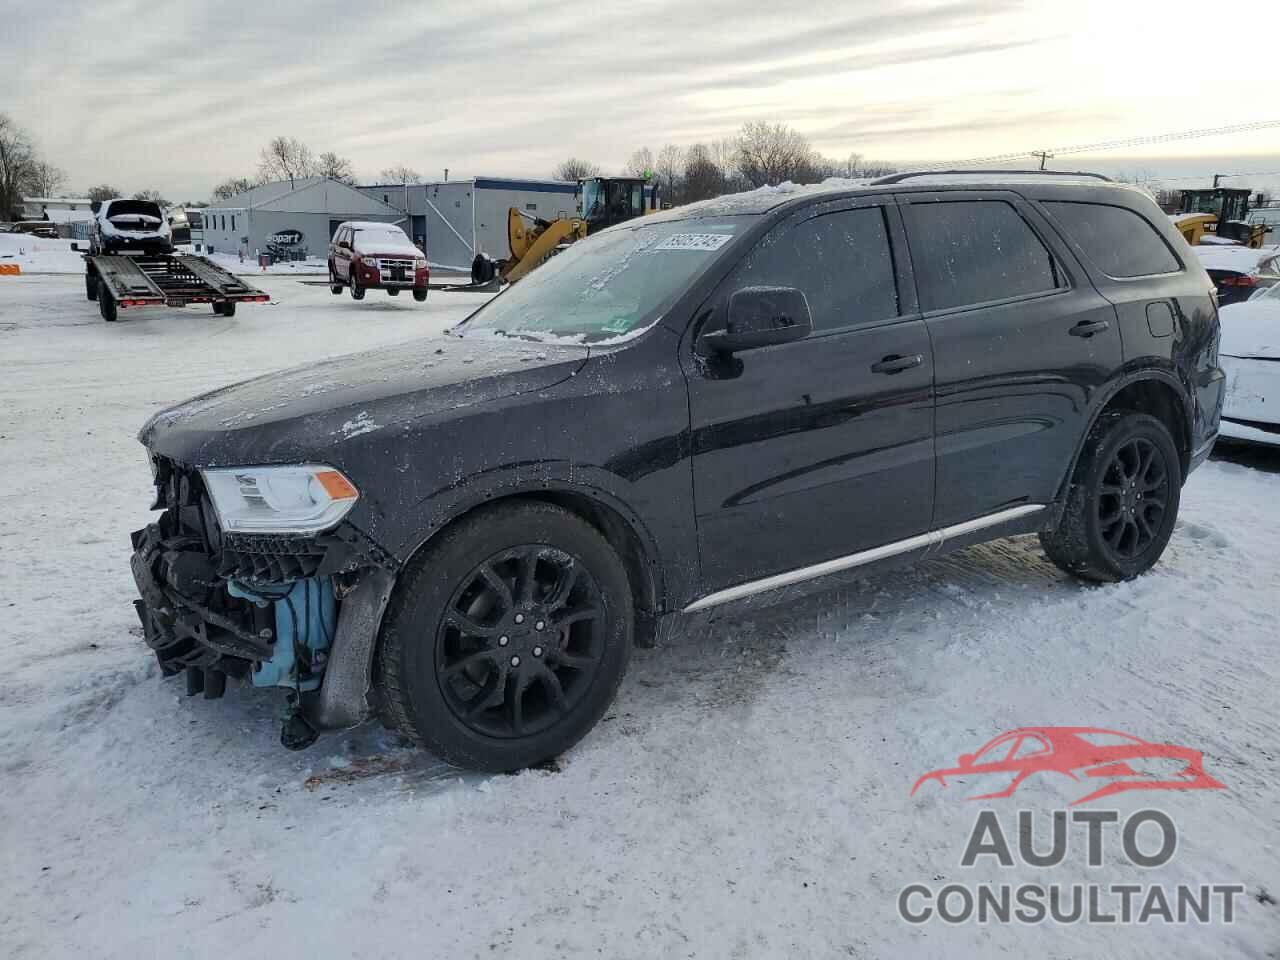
[899, 177]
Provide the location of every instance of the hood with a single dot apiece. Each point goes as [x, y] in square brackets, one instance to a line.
[407, 251]
[313, 412]
[1251, 329]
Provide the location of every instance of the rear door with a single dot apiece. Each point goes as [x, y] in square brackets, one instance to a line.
[823, 447]
[1021, 341]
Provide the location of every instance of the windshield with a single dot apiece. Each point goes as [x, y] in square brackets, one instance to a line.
[365, 236]
[615, 284]
[134, 208]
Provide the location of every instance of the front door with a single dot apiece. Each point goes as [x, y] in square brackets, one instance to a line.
[1022, 341]
[816, 449]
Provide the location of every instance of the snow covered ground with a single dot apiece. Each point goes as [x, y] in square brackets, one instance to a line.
[746, 797]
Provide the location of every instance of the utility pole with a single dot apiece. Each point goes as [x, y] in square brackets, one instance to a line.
[1043, 155]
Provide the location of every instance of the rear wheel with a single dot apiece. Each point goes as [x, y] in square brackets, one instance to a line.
[90, 286]
[507, 637]
[1123, 501]
[335, 285]
[106, 302]
[227, 309]
[393, 291]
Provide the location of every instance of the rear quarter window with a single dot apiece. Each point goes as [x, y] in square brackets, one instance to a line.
[1122, 243]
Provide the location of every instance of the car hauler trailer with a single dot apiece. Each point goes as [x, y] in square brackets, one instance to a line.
[124, 281]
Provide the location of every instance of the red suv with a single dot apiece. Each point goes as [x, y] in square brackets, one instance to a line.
[368, 255]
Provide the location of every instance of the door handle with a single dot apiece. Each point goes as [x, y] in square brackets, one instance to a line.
[1086, 328]
[896, 364]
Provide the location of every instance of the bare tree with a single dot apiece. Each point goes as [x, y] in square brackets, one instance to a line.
[45, 178]
[669, 171]
[771, 153]
[400, 174]
[703, 178]
[229, 188]
[286, 158]
[641, 163]
[330, 165]
[103, 191]
[155, 196]
[17, 162]
[575, 169]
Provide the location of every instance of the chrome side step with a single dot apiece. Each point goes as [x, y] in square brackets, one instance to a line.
[934, 538]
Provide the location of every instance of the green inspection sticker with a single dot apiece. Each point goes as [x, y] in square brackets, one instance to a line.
[618, 325]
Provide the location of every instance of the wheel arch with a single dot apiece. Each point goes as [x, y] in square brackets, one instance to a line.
[1152, 391]
[625, 531]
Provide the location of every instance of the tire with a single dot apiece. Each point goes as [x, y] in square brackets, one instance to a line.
[335, 285]
[431, 669]
[393, 291]
[420, 294]
[357, 291]
[229, 309]
[106, 303]
[90, 287]
[1122, 503]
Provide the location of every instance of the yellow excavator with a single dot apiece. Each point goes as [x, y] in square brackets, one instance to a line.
[602, 202]
[1219, 211]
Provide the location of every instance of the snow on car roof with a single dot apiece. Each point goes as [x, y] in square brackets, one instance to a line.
[1238, 258]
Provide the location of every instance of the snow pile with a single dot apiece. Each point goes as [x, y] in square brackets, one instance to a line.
[39, 255]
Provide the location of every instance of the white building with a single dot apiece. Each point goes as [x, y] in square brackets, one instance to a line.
[456, 219]
[289, 218]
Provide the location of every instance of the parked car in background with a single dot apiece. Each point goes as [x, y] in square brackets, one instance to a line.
[1250, 355]
[376, 256]
[129, 226]
[36, 228]
[1239, 271]
[467, 534]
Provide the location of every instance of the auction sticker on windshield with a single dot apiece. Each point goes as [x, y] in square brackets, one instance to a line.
[694, 241]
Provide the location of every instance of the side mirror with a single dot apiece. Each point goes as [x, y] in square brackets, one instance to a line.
[762, 317]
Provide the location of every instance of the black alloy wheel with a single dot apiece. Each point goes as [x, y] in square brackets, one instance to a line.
[520, 642]
[506, 637]
[1121, 502]
[1133, 497]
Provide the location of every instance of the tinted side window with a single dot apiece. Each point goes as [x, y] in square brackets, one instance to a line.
[841, 261]
[968, 252]
[1122, 243]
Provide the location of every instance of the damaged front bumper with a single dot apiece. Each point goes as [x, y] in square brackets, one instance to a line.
[302, 613]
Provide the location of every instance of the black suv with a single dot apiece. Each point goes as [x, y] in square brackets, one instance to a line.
[466, 535]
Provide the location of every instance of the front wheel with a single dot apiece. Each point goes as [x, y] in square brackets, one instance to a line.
[507, 637]
[357, 291]
[1123, 501]
[420, 294]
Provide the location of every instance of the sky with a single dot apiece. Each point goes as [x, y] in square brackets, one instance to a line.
[181, 95]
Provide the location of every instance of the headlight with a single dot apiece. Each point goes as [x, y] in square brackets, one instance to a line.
[302, 499]
[371, 262]
[420, 264]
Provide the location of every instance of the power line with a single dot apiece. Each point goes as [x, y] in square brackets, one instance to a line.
[1103, 145]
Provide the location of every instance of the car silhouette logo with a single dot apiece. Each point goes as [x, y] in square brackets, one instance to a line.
[1117, 761]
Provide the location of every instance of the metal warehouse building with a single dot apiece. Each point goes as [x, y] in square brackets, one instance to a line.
[290, 218]
[456, 219]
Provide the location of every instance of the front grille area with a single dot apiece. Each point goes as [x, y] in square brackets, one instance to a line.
[183, 561]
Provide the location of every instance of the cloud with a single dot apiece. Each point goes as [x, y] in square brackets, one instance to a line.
[179, 96]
